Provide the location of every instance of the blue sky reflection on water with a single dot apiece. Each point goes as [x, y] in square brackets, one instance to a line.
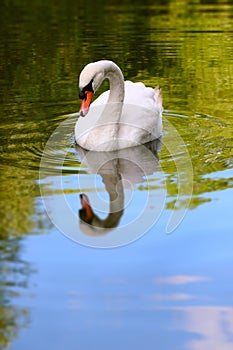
[162, 289]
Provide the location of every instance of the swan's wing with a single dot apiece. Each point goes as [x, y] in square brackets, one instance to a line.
[140, 95]
[141, 119]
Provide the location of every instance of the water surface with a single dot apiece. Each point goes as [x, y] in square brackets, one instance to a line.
[165, 290]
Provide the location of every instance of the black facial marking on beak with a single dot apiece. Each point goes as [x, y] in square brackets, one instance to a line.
[82, 94]
[88, 87]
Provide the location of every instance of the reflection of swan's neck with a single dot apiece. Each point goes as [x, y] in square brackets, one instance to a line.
[116, 194]
[117, 198]
[116, 80]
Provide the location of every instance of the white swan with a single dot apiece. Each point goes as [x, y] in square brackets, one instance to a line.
[127, 115]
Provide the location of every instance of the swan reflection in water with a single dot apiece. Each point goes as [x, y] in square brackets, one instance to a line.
[119, 170]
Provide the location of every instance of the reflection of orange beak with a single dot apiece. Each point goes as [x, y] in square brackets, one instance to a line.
[86, 206]
[86, 103]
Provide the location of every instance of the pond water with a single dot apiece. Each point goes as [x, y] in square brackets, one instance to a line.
[164, 279]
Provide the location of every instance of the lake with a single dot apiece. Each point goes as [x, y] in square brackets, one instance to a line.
[158, 271]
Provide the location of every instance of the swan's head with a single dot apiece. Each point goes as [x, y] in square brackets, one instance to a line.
[90, 80]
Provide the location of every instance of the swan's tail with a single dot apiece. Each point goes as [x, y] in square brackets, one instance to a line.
[158, 96]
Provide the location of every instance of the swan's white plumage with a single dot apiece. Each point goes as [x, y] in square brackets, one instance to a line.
[110, 124]
[136, 94]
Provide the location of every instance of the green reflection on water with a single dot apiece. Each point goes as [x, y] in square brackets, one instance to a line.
[186, 48]
[14, 280]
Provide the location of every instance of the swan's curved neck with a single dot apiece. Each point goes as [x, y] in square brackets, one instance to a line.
[116, 80]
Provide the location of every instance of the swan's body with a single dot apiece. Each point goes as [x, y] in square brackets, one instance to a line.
[129, 114]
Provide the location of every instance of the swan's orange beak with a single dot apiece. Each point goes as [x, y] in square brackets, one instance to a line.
[86, 101]
[87, 208]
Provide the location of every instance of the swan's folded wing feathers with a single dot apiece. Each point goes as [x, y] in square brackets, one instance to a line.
[141, 95]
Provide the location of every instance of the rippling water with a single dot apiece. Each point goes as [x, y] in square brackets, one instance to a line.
[168, 291]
